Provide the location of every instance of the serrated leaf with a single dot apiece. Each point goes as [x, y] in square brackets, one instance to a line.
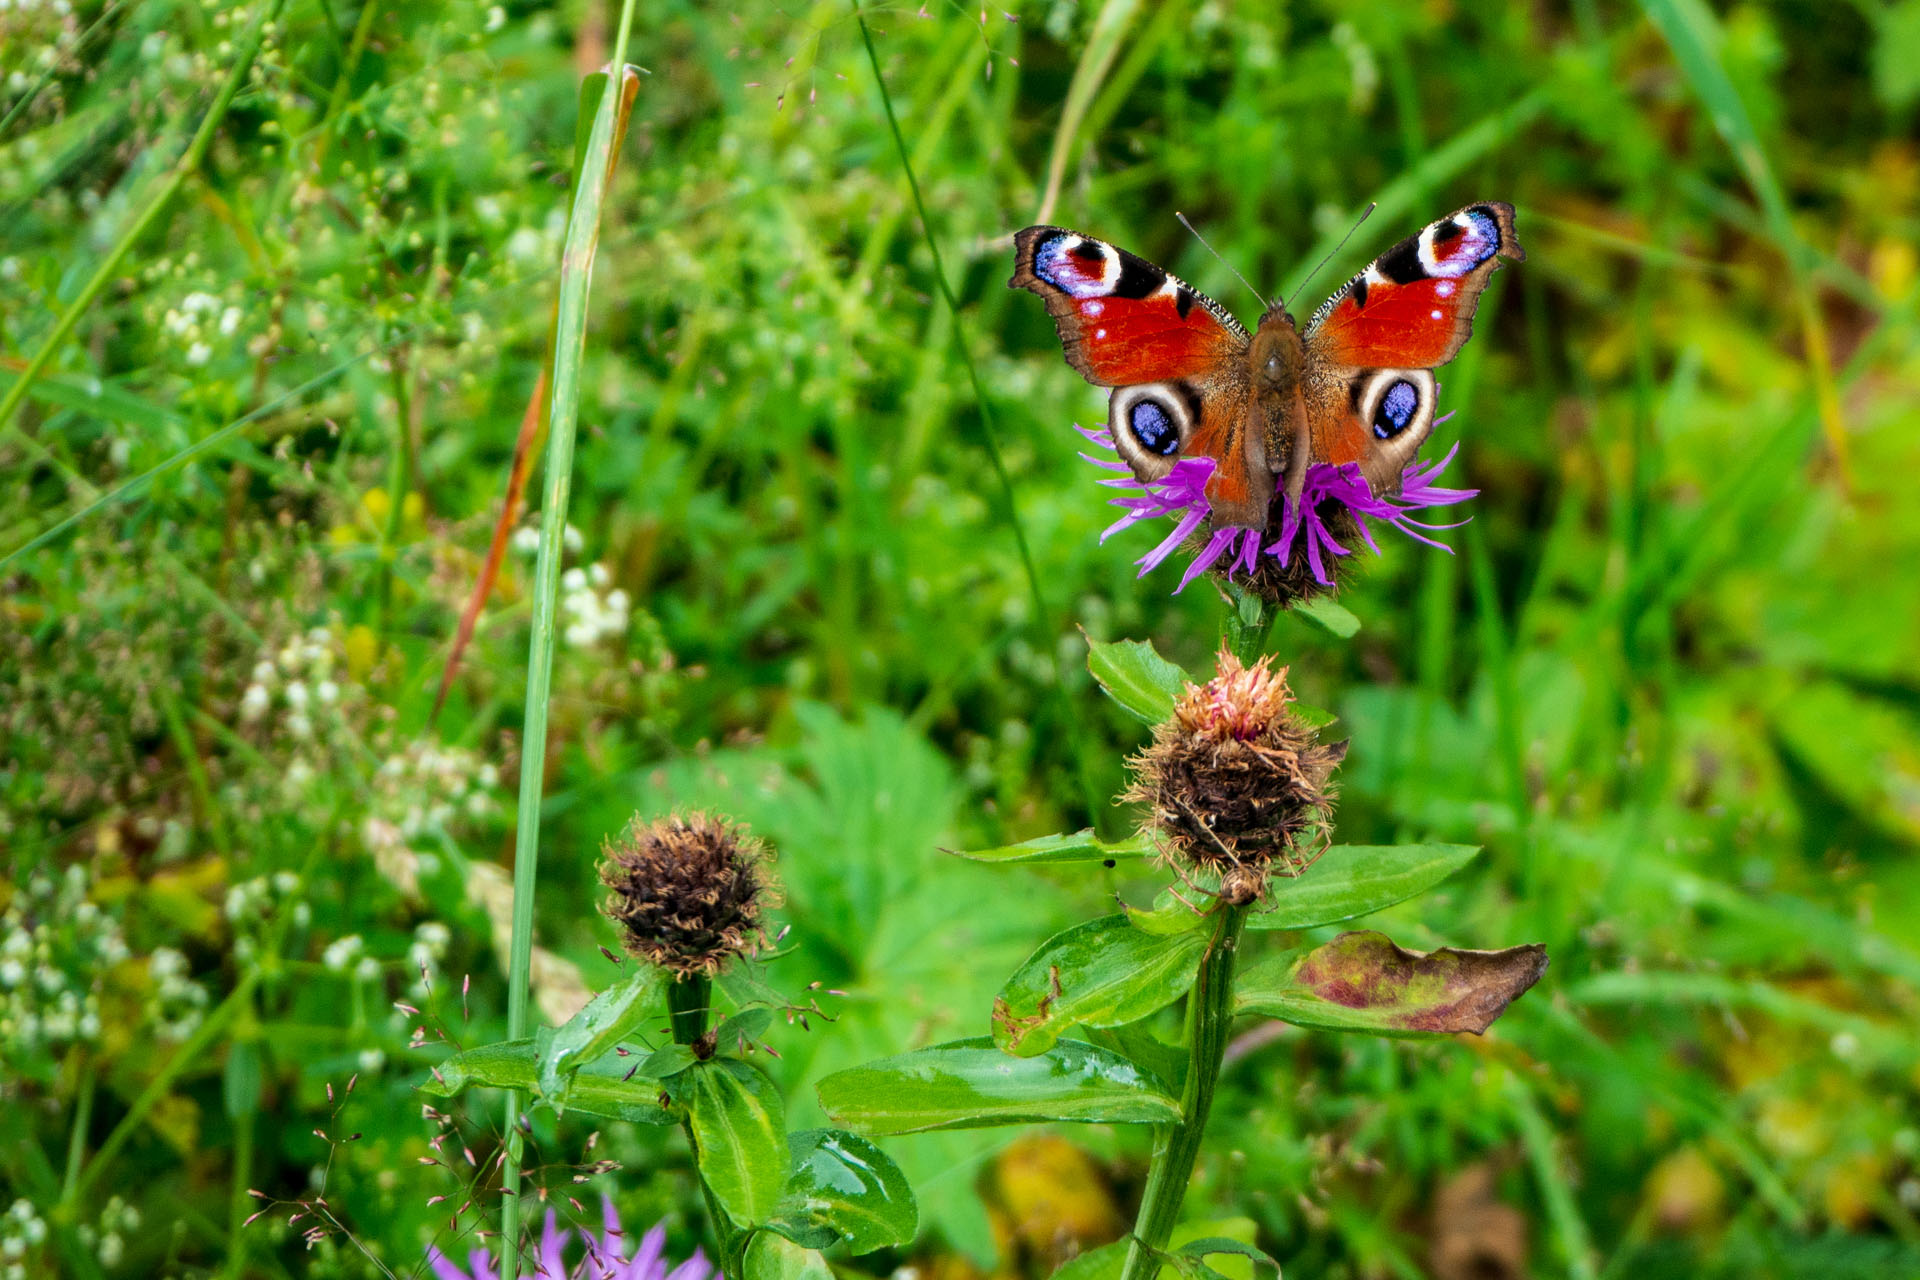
[606, 1020]
[774, 1257]
[1361, 981]
[739, 1127]
[1136, 677]
[842, 1187]
[1104, 973]
[970, 1084]
[1352, 880]
[1079, 847]
[1336, 619]
[612, 1087]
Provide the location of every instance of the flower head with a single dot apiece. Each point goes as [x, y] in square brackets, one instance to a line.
[604, 1257]
[1300, 550]
[688, 892]
[1236, 781]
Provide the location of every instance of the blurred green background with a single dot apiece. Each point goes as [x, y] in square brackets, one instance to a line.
[1668, 681]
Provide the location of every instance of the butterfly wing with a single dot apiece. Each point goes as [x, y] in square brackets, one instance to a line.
[1370, 346]
[1175, 358]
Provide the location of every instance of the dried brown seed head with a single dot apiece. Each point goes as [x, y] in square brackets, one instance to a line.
[688, 893]
[1236, 782]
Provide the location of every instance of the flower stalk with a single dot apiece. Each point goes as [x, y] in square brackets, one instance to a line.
[1209, 1020]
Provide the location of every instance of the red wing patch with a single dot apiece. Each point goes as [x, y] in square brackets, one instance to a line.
[1413, 307]
[1122, 320]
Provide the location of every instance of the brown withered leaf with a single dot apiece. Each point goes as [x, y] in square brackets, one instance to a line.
[1362, 981]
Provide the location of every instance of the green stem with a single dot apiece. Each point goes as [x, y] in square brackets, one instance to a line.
[569, 352]
[169, 187]
[689, 1000]
[1209, 1019]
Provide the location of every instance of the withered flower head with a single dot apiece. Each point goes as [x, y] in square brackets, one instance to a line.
[688, 892]
[1237, 782]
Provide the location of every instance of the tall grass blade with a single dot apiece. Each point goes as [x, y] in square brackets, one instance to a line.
[595, 170]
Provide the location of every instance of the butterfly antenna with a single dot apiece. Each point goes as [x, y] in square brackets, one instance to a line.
[1371, 206]
[1223, 262]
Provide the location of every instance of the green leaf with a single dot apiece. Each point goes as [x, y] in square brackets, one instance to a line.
[1352, 880]
[1104, 1263]
[1190, 1258]
[668, 1061]
[748, 992]
[1104, 973]
[1896, 55]
[1136, 677]
[844, 1188]
[1311, 716]
[1081, 846]
[970, 1084]
[742, 1029]
[739, 1136]
[1362, 982]
[774, 1257]
[608, 1018]
[612, 1087]
[1335, 618]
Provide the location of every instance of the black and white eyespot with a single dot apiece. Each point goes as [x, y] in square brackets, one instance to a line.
[1151, 424]
[1398, 409]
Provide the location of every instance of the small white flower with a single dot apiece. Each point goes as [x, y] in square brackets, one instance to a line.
[326, 691]
[496, 18]
[198, 354]
[296, 695]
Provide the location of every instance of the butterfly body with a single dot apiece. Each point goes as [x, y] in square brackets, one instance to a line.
[1189, 381]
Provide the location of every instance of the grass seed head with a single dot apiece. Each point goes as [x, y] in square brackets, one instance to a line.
[1236, 782]
[688, 892]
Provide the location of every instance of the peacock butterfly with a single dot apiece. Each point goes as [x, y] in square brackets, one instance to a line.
[1354, 386]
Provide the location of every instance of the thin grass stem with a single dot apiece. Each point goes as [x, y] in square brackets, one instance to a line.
[569, 351]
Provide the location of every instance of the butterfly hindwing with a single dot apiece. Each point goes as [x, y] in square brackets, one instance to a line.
[1175, 358]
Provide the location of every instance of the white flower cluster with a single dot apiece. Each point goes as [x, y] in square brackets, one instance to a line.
[250, 904]
[423, 791]
[298, 678]
[118, 1219]
[178, 1001]
[198, 318]
[55, 947]
[526, 539]
[21, 1229]
[349, 955]
[590, 611]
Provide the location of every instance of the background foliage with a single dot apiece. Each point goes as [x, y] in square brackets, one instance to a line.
[1667, 682]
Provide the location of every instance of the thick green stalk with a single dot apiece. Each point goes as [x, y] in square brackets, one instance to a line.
[1209, 1019]
[569, 351]
[169, 187]
[688, 1003]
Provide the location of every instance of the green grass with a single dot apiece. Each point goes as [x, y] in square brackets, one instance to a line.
[261, 384]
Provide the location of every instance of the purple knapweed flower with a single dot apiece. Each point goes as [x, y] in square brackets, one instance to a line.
[603, 1259]
[1235, 549]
